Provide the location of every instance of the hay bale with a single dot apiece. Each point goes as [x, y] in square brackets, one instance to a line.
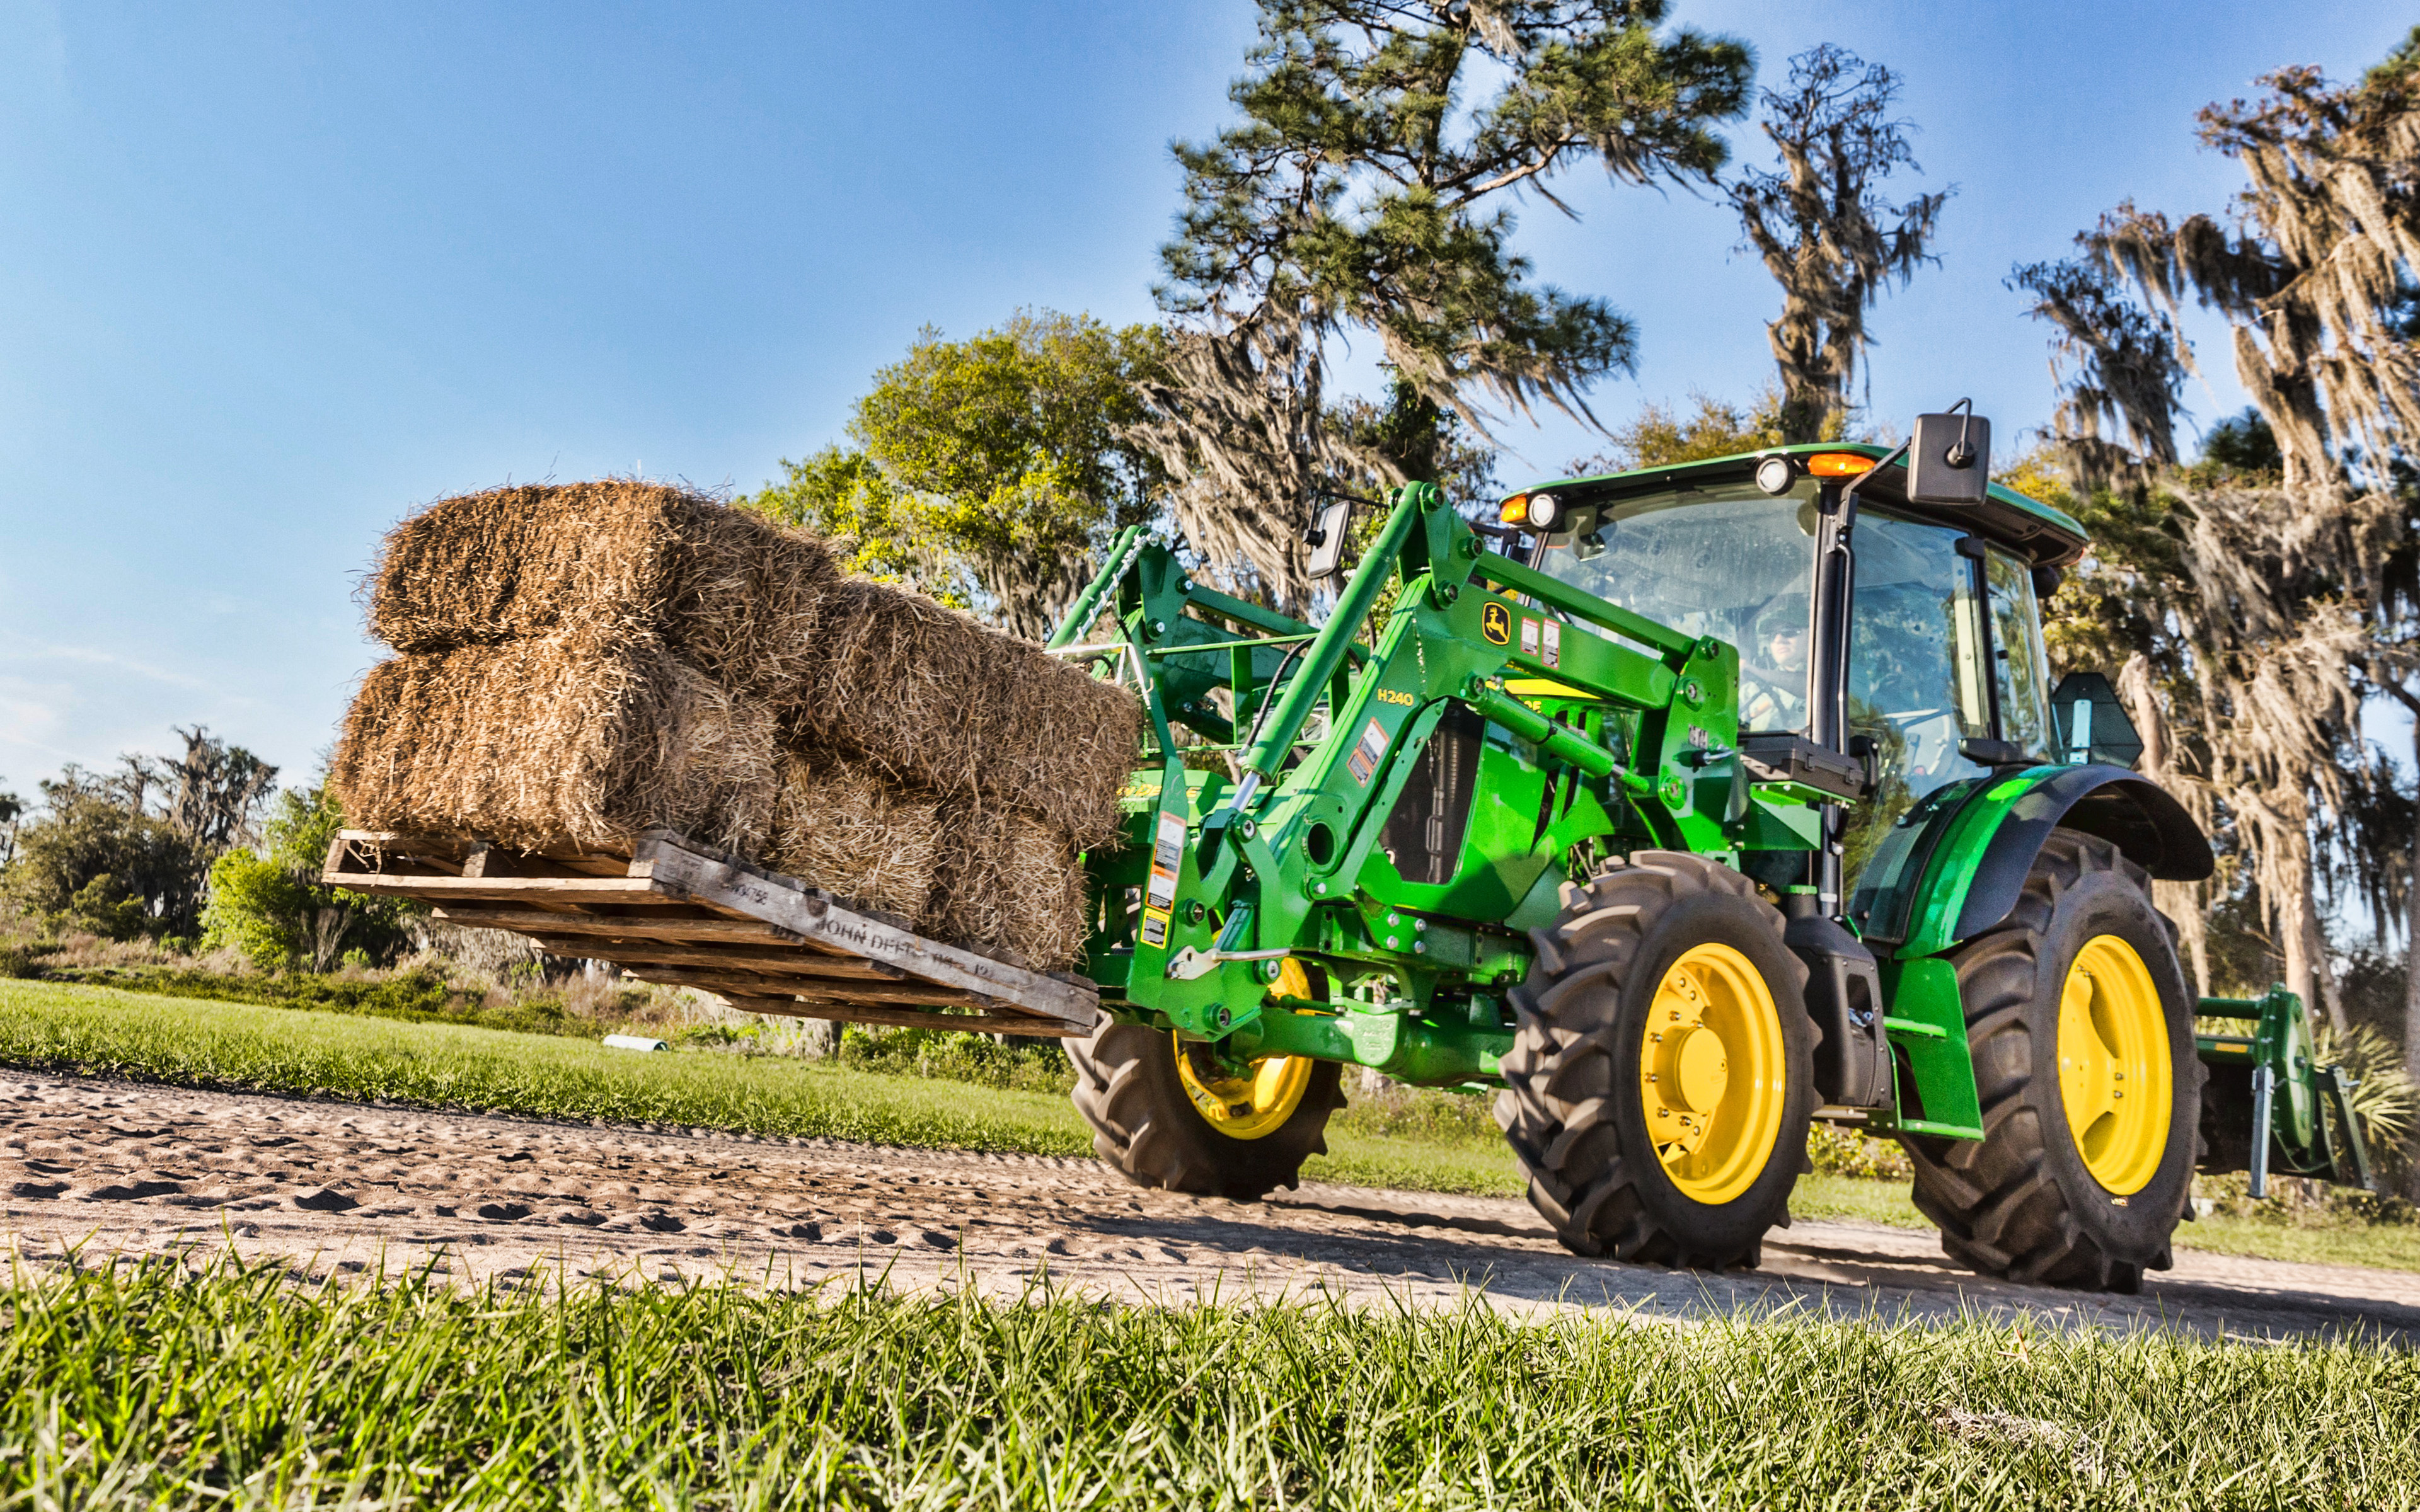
[731, 591]
[554, 739]
[935, 699]
[1008, 885]
[842, 825]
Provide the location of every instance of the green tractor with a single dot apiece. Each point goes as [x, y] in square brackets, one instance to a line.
[1680, 807]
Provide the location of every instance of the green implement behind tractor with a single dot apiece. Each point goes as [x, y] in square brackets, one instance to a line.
[1683, 807]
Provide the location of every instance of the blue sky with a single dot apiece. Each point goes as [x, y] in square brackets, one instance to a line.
[271, 276]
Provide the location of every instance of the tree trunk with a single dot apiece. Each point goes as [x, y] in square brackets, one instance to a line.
[2411, 926]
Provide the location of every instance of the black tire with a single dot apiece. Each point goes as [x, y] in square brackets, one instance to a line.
[1143, 1123]
[2021, 1203]
[1572, 1107]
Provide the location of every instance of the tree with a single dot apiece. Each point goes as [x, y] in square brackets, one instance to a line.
[1660, 436]
[2114, 363]
[2294, 598]
[93, 858]
[270, 905]
[105, 854]
[1823, 229]
[994, 468]
[12, 809]
[1366, 189]
[839, 493]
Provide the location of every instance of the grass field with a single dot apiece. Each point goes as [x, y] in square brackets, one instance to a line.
[150, 1386]
[1449, 1146]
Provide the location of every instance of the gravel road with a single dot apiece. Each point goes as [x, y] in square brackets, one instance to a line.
[112, 1167]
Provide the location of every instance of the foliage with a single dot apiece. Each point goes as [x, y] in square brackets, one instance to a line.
[2241, 447]
[1833, 1150]
[2293, 596]
[92, 858]
[1413, 441]
[270, 905]
[2114, 363]
[127, 852]
[2386, 1100]
[990, 470]
[1822, 230]
[1660, 436]
[1365, 190]
[840, 493]
[145, 1382]
[956, 1055]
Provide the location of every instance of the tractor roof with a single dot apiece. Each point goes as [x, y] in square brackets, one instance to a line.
[2046, 536]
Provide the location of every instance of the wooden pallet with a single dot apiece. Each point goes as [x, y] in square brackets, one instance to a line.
[677, 914]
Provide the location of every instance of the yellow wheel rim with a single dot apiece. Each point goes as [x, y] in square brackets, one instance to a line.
[1246, 1108]
[1714, 1073]
[2114, 1078]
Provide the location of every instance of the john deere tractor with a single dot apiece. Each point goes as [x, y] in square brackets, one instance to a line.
[1680, 808]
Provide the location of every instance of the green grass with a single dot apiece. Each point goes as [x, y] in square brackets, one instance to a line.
[102, 1031]
[1422, 1142]
[146, 1385]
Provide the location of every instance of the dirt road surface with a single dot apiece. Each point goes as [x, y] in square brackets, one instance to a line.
[108, 1167]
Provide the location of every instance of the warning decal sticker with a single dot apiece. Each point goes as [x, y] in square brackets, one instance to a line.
[1495, 623]
[1528, 636]
[1553, 656]
[1155, 928]
[1367, 754]
[1167, 855]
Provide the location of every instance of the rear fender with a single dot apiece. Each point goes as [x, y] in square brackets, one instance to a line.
[1978, 869]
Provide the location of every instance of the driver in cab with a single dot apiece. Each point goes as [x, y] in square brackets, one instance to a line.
[1773, 668]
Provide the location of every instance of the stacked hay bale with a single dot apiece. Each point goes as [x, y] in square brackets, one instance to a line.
[582, 663]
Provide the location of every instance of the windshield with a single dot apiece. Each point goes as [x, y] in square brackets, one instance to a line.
[1729, 562]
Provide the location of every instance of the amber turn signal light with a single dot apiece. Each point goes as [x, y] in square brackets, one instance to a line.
[1839, 464]
[1515, 510]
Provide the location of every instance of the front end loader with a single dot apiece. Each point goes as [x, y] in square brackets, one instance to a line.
[1680, 808]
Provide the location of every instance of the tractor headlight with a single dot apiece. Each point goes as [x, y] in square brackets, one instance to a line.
[1545, 514]
[1774, 475]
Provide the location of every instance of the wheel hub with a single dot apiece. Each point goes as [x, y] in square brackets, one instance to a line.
[1713, 1073]
[2114, 1076]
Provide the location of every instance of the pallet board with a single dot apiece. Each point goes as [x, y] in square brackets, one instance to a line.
[674, 912]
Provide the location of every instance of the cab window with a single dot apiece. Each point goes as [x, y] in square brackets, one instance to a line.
[2019, 664]
[1916, 669]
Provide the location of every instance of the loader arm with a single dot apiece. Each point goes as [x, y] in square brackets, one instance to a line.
[1280, 852]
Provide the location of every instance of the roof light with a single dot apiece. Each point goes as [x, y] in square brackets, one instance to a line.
[1545, 512]
[1515, 510]
[1774, 475]
[1839, 464]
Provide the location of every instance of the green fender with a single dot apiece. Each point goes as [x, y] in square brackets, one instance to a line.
[1955, 864]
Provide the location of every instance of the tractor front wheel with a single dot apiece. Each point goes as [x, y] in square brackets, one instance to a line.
[1662, 1078]
[2082, 1032]
[1171, 1113]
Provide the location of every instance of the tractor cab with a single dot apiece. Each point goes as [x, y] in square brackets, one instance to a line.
[1940, 673]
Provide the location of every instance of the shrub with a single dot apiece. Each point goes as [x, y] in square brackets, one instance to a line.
[1835, 1151]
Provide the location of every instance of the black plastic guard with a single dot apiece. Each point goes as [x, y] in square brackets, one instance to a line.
[1844, 997]
[2147, 825]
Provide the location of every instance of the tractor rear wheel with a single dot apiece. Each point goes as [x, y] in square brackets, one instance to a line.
[1170, 1113]
[1659, 1086]
[2082, 1032]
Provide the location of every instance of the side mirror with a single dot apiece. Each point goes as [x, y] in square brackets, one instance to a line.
[2088, 722]
[1949, 461]
[1327, 538]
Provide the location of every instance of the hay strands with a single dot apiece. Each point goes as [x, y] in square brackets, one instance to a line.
[679, 914]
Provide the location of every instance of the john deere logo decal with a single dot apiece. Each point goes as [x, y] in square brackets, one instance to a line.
[1495, 623]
